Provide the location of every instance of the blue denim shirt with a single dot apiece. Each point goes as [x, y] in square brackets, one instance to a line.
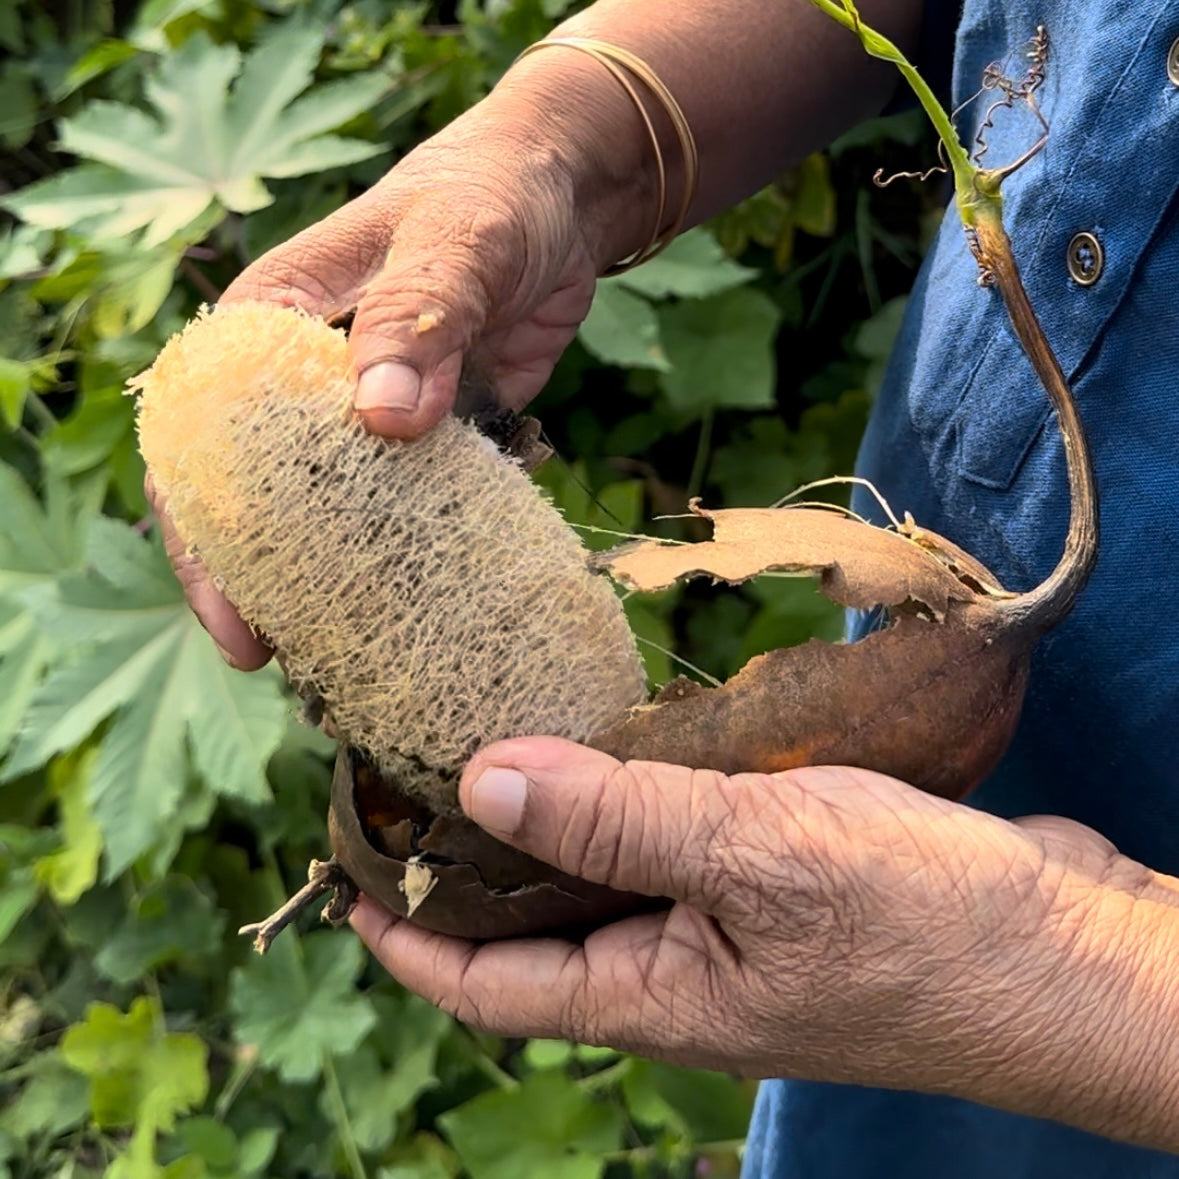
[963, 438]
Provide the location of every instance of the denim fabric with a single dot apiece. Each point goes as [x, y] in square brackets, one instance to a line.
[963, 438]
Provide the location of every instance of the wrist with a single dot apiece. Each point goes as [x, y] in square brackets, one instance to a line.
[564, 103]
[1133, 1046]
[1089, 1032]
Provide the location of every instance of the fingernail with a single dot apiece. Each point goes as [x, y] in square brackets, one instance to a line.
[389, 385]
[497, 799]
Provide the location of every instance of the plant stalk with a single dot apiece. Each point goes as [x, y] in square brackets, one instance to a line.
[980, 206]
[1043, 607]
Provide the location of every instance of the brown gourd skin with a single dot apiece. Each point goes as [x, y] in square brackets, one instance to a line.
[978, 675]
[482, 888]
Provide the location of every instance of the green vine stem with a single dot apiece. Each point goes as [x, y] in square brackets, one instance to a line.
[980, 207]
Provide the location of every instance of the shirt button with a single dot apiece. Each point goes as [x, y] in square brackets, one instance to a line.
[1173, 62]
[1086, 259]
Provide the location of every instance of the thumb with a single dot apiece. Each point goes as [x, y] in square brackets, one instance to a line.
[644, 827]
[415, 321]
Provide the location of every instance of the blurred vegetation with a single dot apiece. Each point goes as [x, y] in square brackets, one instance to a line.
[151, 800]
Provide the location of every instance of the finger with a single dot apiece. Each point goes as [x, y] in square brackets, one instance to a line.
[616, 988]
[520, 358]
[642, 827]
[407, 382]
[444, 277]
[323, 267]
[422, 296]
[239, 645]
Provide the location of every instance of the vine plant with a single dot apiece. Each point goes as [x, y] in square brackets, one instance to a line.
[979, 201]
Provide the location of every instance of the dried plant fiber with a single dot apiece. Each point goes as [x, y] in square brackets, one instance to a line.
[427, 590]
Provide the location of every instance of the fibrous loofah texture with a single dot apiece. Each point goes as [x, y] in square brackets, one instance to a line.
[427, 591]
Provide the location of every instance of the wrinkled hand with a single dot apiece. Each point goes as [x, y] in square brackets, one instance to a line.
[829, 923]
[469, 247]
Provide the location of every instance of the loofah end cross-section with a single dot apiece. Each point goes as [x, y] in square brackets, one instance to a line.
[427, 590]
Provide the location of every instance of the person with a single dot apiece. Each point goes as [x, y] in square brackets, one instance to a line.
[952, 990]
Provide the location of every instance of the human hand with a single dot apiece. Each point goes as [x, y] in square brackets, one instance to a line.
[829, 923]
[481, 245]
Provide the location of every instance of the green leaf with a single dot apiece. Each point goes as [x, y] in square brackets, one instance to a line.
[16, 383]
[425, 1157]
[140, 658]
[20, 894]
[22, 249]
[793, 612]
[214, 1141]
[68, 873]
[18, 105]
[622, 329]
[155, 16]
[813, 197]
[721, 352]
[37, 544]
[542, 1054]
[875, 338]
[379, 1088]
[706, 1106]
[11, 34]
[24, 655]
[766, 460]
[602, 518]
[763, 463]
[207, 140]
[692, 267]
[366, 1088]
[139, 1074]
[96, 61]
[38, 541]
[654, 636]
[54, 1099]
[296, 1013]
[104, 418]
[171, 921]
[545, 1126]
[19, 849]
[256, 1150]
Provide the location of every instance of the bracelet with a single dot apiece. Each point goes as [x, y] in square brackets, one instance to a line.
[618, 61]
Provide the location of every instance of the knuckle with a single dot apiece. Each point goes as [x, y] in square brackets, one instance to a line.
[187, 566]
[321, 267]
[612, 834]
[457, 997]
[588, 834]
[752, 850]
[646, 823]
[463, 267]
[722, 838]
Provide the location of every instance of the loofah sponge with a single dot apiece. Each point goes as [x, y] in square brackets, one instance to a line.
[427, 591]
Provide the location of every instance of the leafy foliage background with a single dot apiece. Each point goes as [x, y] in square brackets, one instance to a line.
[151, 799]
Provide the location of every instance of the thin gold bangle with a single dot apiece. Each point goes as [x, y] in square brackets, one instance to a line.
[617, 61]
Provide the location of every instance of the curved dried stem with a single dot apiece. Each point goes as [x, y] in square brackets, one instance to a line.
[323, 876]
[980, 205]
[1050, 601]
[844, 480]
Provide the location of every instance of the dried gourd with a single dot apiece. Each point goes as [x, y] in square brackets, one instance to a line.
[435, 602]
